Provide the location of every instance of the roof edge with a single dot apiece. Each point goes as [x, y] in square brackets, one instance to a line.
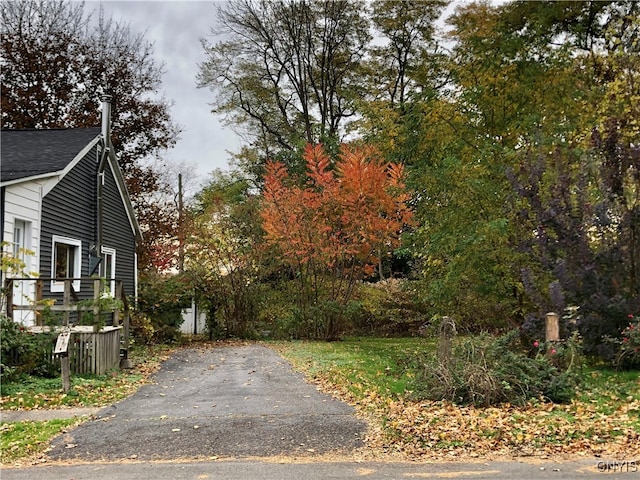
[58, 173]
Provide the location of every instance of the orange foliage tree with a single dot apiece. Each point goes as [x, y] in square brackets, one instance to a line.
[333, 230]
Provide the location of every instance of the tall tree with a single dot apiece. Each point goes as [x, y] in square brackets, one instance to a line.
[56, 62]
[582, 199]
[283, 71]
[40, 50]
[222, 252]
[404, 64]
[407, 31]
[460, 142]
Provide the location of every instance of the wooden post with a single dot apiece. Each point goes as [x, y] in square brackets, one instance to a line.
[62, 349]
[39, 290]
[96, 310]
[66, 372]
[66, 301]
[9, 290]
[124, 361]
[447, 331]
[552, 327]
[117, 295]
[180, 227]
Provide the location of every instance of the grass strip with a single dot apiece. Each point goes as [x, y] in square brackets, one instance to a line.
[20, 440]
[32, 393]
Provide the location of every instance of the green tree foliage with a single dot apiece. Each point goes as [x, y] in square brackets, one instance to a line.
[404, 59]
[158, 314]
[523, 83]
[222, 254]
[407, 31]
[459, 144]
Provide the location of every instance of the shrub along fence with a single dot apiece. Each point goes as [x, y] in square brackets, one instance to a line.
[94, 348]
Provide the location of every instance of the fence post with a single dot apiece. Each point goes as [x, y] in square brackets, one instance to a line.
[97, 321]
[552, 327]
[117, 295]
[65, 366]
[9, 290]
[66, 301]
[62, 349]
[447, 331]
[39, 290]
[124, 360]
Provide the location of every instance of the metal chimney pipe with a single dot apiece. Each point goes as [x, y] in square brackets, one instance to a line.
[106, 118]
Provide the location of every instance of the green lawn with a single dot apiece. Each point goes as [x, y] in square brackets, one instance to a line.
[19, 440]
[86, 390]
[363, 365]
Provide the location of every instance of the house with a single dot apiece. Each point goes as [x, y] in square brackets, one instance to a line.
[65, 211]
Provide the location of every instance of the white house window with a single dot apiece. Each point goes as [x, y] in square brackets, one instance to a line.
[109, 268]
[66, 262]
[21, 237]
[23, 292]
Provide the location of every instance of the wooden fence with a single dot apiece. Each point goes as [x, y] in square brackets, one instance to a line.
[91, 349]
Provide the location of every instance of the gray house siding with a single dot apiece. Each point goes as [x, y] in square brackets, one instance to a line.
[69, 210]
[49, 182]
[118, 233]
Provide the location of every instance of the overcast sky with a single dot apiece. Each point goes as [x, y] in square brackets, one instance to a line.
[175, 28]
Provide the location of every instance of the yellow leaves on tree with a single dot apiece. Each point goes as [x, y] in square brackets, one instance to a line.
[344, 218]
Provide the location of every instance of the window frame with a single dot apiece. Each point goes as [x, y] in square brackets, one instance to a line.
[21, 240]
[110, 277]
[76, 245]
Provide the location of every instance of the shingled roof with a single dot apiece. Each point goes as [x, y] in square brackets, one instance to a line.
[30, 153]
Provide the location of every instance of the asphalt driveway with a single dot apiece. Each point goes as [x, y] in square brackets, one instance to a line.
[232, 401]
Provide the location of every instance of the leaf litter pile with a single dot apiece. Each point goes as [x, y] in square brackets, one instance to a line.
[444, 429]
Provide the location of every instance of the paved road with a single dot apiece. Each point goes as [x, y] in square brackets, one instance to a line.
[259, 470]
[224, 402]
